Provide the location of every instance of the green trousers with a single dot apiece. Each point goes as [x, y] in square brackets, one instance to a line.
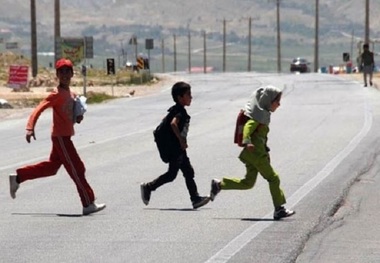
[254, 166]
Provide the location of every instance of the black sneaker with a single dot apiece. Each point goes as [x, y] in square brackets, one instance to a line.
[201, 201]
[282, 212]
[370, 83]
[145, 193]
[215, 188]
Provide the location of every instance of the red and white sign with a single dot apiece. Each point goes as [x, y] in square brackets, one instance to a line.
[18, 76]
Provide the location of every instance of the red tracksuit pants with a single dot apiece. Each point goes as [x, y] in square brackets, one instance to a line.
[63, 153]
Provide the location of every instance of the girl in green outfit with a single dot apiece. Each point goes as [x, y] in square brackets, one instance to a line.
[255, 154]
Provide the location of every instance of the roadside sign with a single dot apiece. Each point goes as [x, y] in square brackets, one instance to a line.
[74, 48]
[346, 57]
[89, 45]
[11, 45]
[111, 66]
[140, 62]
[18, 76]
[149, 43]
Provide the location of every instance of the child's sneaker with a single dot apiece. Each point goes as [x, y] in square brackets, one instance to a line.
[215, 188]
[201, 201]
[145, 193]
[282, 212]
[13, 185]
[93, 208]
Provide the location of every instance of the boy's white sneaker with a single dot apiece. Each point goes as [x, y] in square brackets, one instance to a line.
[13, 185]
[93, 208]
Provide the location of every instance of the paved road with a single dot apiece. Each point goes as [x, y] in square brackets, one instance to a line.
[323, 141]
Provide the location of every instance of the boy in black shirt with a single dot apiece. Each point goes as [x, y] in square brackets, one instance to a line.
[179, 122]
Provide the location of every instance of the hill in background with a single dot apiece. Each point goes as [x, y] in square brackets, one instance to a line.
[113, 22]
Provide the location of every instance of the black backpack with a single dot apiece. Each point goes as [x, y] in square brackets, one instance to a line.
[167, 143]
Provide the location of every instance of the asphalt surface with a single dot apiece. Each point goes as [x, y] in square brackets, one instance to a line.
[324, 143]
[351, 233]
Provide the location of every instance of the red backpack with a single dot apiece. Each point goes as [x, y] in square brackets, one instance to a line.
[240, 122]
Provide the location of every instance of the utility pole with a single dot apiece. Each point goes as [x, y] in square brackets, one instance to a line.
[122, 53]
[278, 38]
[224, 45]
[316, 47]
[135, 43]
[57, 26]
[175, 52]
[249, 43]
[352, 46]
[33, 38]
[163, 55]
[204, 52]
[366, 37]
[189, 50]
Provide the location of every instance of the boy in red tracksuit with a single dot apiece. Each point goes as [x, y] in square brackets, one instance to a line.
[63, 150]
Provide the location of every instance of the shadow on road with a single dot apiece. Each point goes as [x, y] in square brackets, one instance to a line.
[47, 214]
[249, 219]
[173, 209]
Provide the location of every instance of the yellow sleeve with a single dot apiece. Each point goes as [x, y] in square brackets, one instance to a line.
[249, 127]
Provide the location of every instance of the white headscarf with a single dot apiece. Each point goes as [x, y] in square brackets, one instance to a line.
[258, 106]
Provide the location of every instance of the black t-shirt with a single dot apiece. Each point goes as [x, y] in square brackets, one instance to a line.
[367, 58]
[179, 112]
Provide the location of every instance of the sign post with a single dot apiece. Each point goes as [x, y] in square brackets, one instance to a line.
[149, 45]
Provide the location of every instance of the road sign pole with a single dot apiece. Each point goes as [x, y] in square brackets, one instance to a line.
[85, 71]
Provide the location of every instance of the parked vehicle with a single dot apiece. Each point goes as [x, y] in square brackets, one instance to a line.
[300, 65]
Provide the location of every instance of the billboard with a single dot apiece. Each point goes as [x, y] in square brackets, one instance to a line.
[72, 50]
[75, 49]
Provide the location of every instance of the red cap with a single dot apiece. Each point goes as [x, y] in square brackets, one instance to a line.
[63, 62]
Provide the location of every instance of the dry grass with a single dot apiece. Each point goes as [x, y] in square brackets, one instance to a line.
[23, 102]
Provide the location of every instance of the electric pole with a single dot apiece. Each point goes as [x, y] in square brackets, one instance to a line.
[204, 52]
[366, 38]
[33, 38]
[122, 53]
[175, 52]
[316, 47]
[278, 38]
[163, 55]
[249, 43]
[189, 50]
[224, 45]
[57, 27]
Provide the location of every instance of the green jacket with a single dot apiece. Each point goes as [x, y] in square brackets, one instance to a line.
[257, 134]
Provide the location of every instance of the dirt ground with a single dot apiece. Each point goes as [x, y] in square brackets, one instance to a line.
[20, 100]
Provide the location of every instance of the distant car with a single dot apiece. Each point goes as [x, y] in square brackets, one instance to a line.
[300, 64]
